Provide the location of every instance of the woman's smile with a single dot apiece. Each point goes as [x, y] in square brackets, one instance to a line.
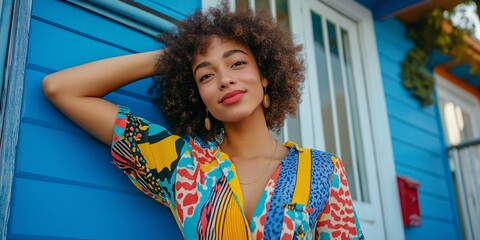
[232, 97]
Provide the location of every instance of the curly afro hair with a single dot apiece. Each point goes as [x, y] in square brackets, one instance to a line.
[174, 90]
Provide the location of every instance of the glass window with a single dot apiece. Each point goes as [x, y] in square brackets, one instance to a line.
[457, 122]
[340, 119]
[262, 5]
[241, 4]
[323, 84]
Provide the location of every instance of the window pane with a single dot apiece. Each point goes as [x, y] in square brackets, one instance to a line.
[467, 128]
[457, 123]
[359, 156]
[323, 84]
[262, 5]
[294, 131]
[282, 14]
[340, 102]
[241, 4]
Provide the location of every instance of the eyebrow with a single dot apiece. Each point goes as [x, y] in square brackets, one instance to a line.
[225, 55]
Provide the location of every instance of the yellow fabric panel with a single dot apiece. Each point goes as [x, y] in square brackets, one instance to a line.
[301, 193]
[161, 154]
[234, 223]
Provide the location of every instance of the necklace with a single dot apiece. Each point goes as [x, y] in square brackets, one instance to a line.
[264, 171]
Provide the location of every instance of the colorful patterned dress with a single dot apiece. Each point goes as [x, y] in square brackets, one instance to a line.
[198, 183]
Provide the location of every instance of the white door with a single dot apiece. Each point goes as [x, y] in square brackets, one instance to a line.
[460, 115]
[338, 112]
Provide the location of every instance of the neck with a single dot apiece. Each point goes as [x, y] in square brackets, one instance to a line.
[248, 138]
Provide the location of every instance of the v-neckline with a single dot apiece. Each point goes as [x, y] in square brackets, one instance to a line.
[229, 170]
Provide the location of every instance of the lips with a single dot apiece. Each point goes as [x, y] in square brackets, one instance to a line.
[232, 97]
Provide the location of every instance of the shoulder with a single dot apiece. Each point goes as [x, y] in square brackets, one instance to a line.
[319, 157]
[322, 156]
[320, 160]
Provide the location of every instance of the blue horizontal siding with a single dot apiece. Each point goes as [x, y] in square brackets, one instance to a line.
[410, 155]
[403, 131]
[63, 166]
[65, 185]
[395, 51]
[392, 31]
[90, 24]
[171, 8]
[68, 43]
[430, 206]
[417, 140]
[414, 117]
[58, 210]
[432, 229]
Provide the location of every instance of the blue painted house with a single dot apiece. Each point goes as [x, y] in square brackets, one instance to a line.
[57, 182]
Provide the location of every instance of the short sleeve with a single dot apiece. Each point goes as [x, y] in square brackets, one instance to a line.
[147, 153]
[338, 219]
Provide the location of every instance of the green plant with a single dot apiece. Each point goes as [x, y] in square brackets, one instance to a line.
[429, 36]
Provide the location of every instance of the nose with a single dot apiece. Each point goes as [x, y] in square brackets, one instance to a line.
[226, 79]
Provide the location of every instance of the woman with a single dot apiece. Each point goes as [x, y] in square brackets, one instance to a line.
[223, 81]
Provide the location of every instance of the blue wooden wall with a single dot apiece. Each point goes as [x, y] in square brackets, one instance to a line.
[417, 139]
[65, 186]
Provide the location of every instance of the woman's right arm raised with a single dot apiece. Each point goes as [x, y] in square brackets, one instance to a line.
[78, 91]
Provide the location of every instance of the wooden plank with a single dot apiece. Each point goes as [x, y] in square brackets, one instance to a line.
[395, 51]
[413, 116]
[172, 8]
[414, 14]
[392, 30]
[56, 48]
[49, 52]
[390, 67]
[436, 208]
[72, 159]
[57, 210]
[418, 159]
[388, 8]
[407, 133]
[87, 23]
[432, 229]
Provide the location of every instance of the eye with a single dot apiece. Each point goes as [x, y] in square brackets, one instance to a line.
[238, 63]
[205, 77]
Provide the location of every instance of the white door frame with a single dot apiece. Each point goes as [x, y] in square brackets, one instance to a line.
[470, 104]
[382, 146]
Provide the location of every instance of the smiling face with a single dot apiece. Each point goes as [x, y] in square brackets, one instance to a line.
[228, 80]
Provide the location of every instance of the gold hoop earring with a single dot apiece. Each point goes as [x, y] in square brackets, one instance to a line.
[266, 98]
[208, 125]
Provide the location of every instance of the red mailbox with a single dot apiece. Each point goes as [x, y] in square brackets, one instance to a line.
[408, 190]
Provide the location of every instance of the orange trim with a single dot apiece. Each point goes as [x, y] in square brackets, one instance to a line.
[442, 71]
[473, 52]
[411, 15]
